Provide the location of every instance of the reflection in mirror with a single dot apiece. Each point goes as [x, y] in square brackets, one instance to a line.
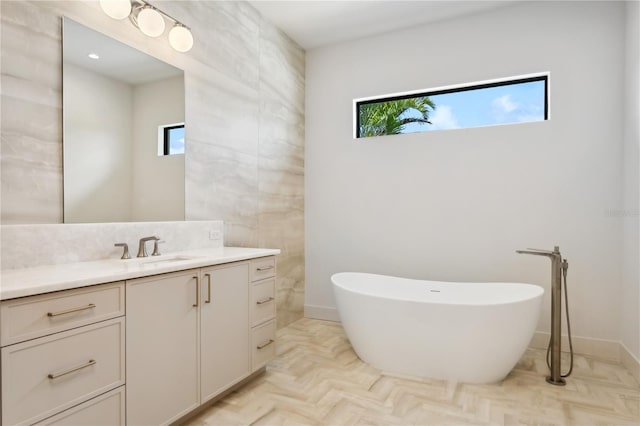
[121, 107]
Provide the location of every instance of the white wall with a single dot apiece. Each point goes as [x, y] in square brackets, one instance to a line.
[157, 181]
[97, 154]
[631, 211]
[455, 205]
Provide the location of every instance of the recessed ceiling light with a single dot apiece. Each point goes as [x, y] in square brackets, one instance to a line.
[94, 56]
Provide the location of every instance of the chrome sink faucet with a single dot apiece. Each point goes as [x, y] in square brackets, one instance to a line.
[142, 248]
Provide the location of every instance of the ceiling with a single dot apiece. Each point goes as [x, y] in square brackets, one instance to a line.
[315, 23]
[117, 60]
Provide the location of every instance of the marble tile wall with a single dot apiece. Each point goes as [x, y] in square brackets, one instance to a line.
[47, 244]
[281, 165]
[244, 86]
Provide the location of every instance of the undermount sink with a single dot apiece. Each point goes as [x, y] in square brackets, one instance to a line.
[163, 259]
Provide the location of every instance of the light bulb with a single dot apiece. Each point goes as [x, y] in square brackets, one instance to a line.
[180, 38]
[117, 9]
[150, 22]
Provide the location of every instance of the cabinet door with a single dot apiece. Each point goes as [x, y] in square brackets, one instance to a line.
[162, 348]
[224, 328]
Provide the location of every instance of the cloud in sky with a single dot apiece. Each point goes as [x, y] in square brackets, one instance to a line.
[443, 119]
[504, 104]
[505, 110]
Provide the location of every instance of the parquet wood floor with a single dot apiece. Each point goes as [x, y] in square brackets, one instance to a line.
[317, 379]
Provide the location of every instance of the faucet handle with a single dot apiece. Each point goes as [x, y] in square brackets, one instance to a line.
[125, 254]
[155, 247]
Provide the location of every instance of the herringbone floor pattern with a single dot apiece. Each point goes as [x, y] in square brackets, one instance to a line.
[316, 379]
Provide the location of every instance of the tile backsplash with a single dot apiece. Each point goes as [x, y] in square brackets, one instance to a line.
[24, 246]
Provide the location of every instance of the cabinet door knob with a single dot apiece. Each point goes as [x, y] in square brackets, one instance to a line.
[263, 301]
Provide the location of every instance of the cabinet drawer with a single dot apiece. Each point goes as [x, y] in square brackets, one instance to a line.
[263, 303]
[37, 316]
[263, 344]
[44, 376]
[104, 410]
[262, 268]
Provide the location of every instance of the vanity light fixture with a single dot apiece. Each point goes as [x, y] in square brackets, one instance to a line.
[180, 38]
[150, 20]
[117, 9]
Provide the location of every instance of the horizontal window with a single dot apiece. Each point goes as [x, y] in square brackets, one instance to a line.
[515, 100]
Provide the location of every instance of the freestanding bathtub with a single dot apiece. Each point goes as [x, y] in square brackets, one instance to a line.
[465, 332]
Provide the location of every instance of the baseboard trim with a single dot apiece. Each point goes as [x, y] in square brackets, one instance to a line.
[630, 362]
[326, 313]
[606, 349]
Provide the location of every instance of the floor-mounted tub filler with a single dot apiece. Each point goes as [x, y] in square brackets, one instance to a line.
[466, 332]
[559, 267]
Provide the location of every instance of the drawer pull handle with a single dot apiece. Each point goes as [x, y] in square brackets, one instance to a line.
[71, 370]
[265, 344]
[265, 268]
[70, 311]
[263, 301]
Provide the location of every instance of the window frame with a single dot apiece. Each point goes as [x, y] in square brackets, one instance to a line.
[166, 140]
[507, 81]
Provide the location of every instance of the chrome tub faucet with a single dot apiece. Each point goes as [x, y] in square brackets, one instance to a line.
[559, 268]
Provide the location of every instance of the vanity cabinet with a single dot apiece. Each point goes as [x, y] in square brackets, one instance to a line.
[188, 337]
[60, 350]
[191, 336]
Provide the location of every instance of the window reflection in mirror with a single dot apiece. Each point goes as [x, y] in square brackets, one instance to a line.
[171, 139]
[115, 98]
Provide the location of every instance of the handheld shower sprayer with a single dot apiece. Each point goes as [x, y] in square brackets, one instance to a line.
[559, 267]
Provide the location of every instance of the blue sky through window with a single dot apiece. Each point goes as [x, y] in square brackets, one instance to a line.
[176, 140]
[514, 103]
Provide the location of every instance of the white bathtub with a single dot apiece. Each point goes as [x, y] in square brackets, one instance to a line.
[466, 332]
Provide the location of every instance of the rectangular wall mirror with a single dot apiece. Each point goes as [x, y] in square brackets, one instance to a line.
[120, 163]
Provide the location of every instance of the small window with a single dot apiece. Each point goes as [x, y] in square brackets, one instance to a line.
[515, 100]
[171, 139]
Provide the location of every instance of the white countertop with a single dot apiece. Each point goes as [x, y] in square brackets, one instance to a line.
[44, 279]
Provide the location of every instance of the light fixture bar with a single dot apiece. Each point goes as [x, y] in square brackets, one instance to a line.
[150, 21]
[140, 4]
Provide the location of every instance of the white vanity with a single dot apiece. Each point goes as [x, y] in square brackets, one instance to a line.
[139, 342]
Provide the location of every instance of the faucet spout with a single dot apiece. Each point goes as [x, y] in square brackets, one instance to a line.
[538, 252]
[142, 248]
